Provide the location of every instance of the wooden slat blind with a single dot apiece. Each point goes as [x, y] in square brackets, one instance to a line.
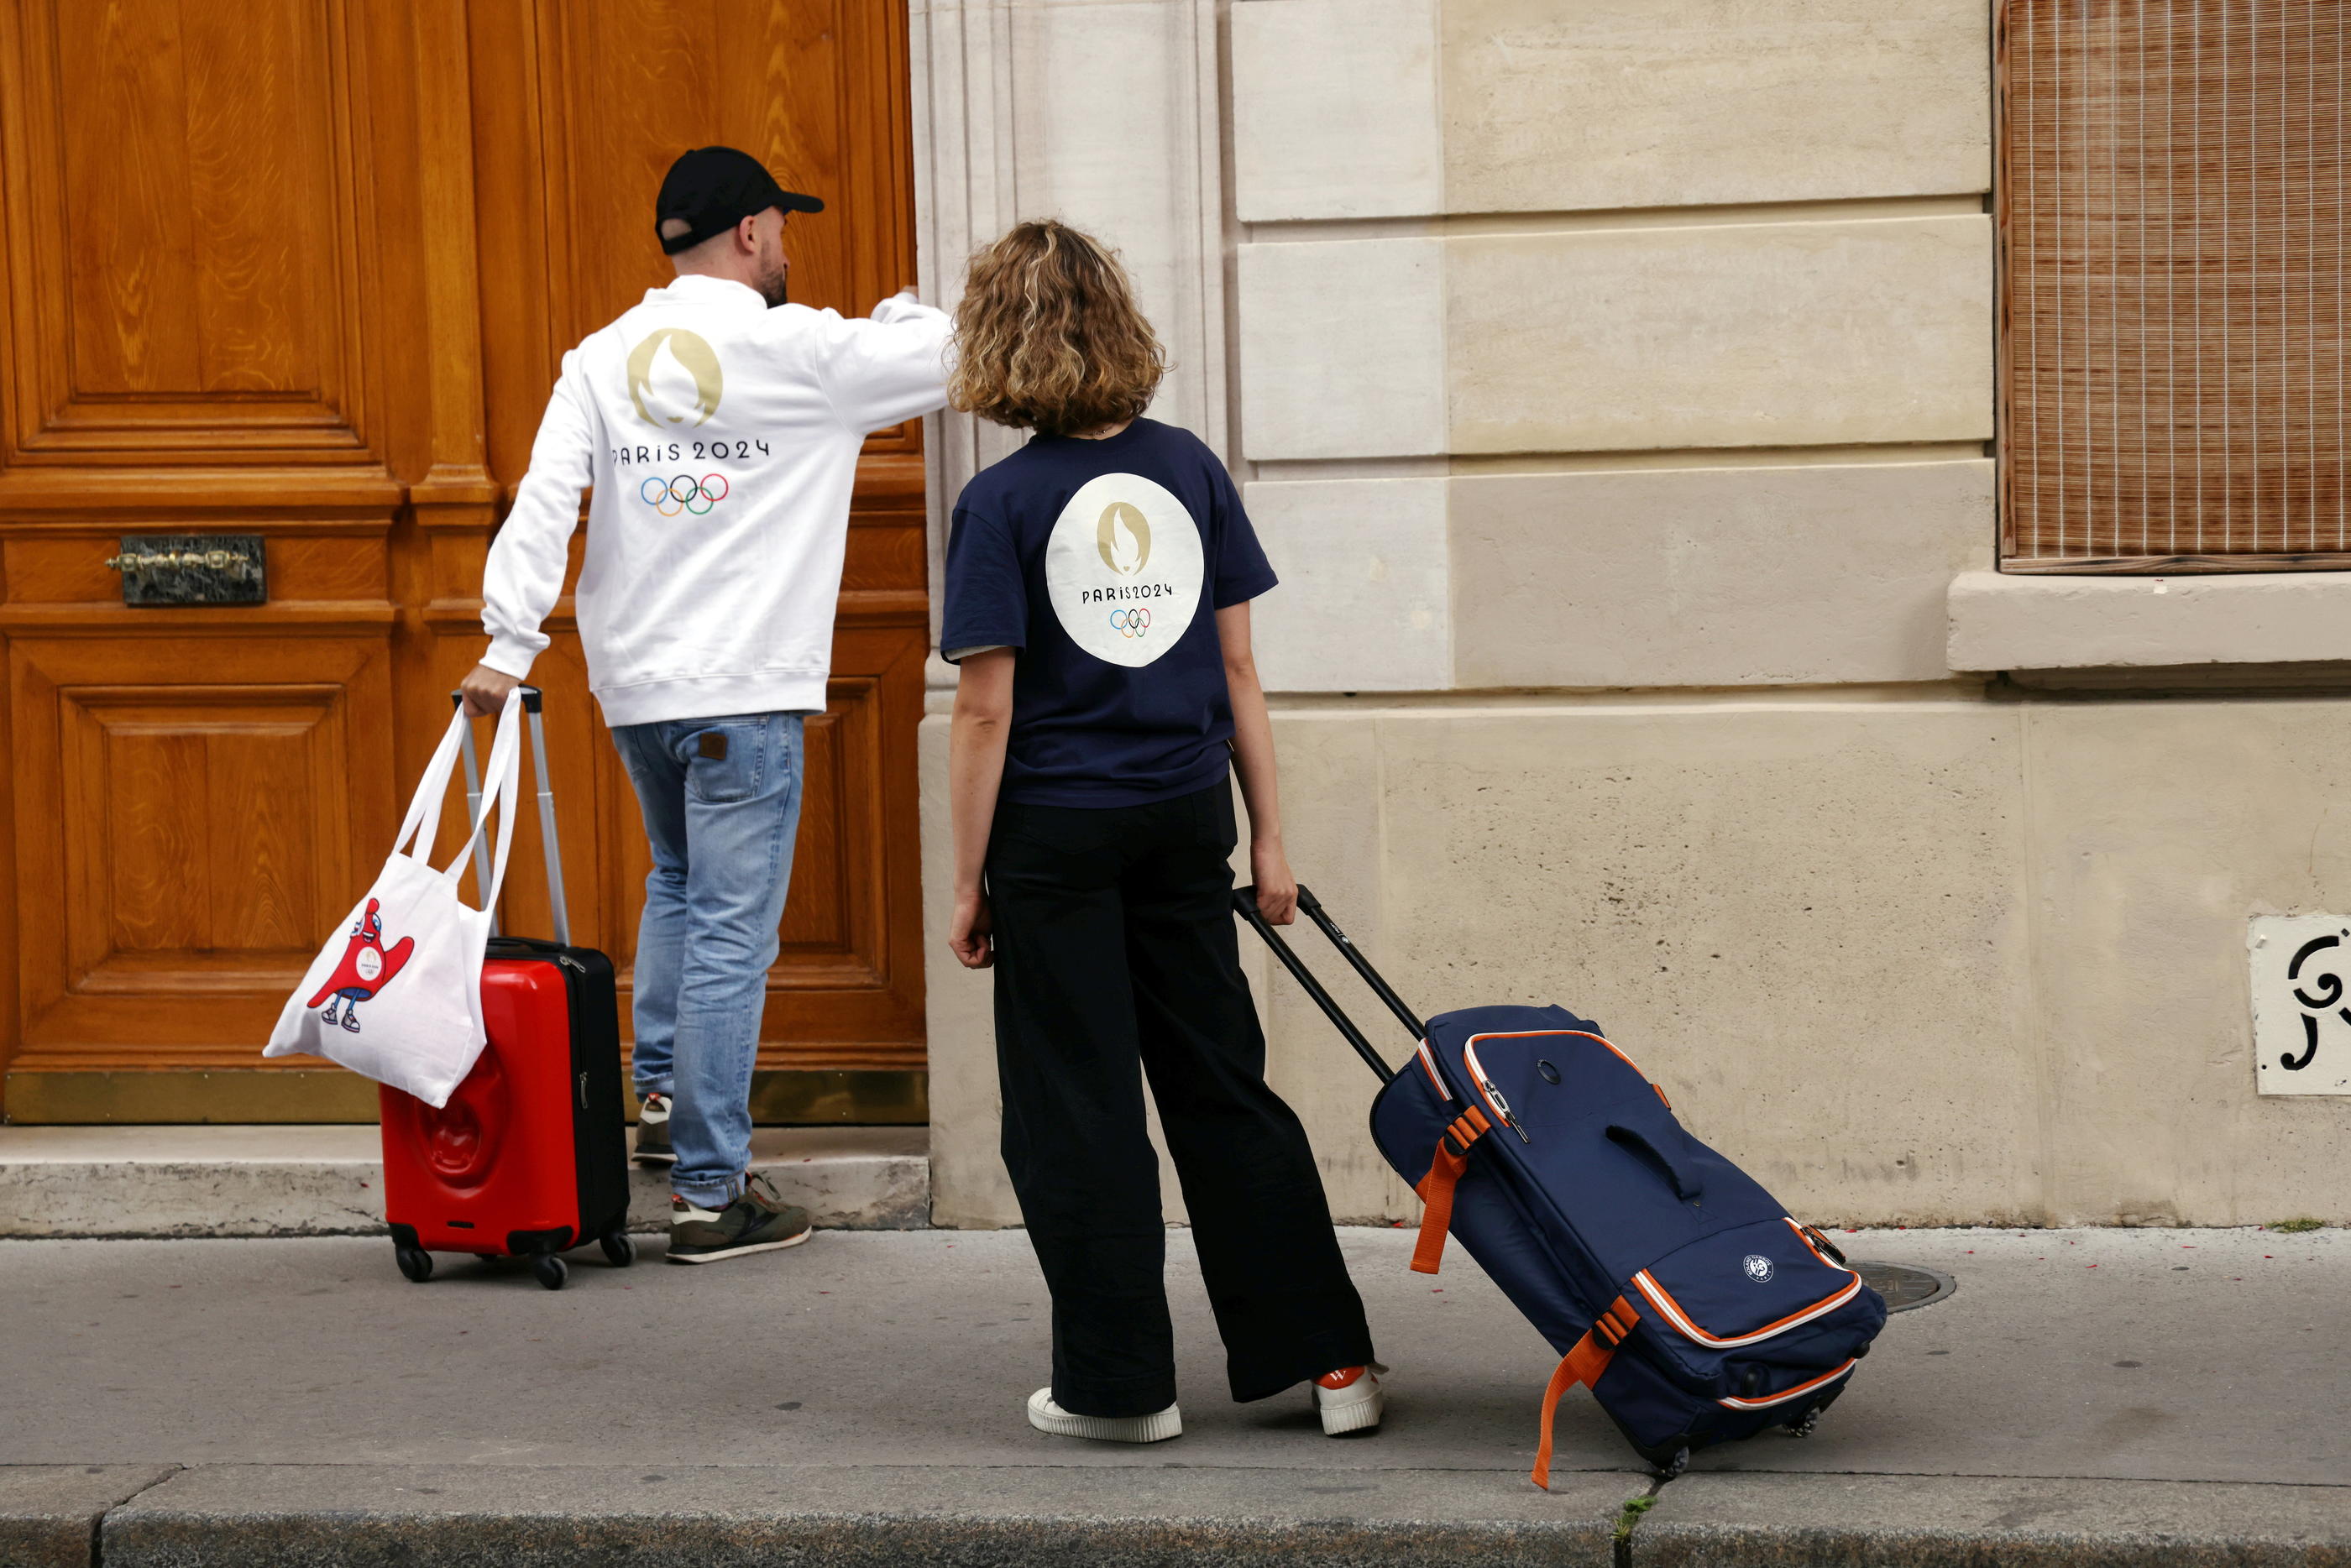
[2171, 215]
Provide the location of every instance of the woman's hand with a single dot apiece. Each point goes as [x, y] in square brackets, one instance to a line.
[967, 931]
[1277, 890]
[976, 739]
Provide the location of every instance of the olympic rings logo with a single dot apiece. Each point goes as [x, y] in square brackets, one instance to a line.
[1131, 622]
[684, 494]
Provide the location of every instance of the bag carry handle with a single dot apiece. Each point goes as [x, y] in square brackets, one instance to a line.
[1245, 905]
[1687, 1184]
[532, 702]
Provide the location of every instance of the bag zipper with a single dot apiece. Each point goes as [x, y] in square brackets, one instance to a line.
[1494, 1095]
[1671, 1310]
[1428, 1060]
[1485, 1084]
[1798, 1392]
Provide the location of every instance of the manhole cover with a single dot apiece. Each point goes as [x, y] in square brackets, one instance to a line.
[1905, 1285]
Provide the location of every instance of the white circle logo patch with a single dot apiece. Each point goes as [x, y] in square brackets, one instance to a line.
[1123, 570]
[370, 964]
[1759, 1268]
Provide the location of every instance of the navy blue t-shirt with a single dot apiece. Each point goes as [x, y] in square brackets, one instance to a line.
[1104, 563]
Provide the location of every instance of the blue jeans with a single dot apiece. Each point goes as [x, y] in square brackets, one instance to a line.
[721, 806]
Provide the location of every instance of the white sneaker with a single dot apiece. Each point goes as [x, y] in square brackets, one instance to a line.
[1048, 1417]
[1349, 1400]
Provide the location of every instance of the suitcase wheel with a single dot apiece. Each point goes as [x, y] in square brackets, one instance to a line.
[415, 1262]
[619, 1250]
[551, 1272]
[1679, 1463]
[1802, 1426]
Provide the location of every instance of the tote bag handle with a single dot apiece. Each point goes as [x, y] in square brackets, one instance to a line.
[505, 773]
[533, 705]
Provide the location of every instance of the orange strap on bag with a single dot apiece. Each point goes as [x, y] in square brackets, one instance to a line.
[1584, 1364]
[1436, 1188]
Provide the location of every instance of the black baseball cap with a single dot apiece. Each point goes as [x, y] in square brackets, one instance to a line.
[716, 188]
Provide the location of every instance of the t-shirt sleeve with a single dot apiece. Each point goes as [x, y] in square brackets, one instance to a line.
[1242, 571]
[987, 594]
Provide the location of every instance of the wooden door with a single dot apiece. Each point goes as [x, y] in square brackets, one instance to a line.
[304, 269]
[579, 110]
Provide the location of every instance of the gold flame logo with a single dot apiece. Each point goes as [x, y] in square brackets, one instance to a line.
[1137, 550]
[691, 353]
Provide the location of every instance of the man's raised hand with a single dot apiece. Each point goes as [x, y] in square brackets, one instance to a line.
[484, 691]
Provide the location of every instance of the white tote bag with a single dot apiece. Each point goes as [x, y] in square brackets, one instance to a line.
[396, 995]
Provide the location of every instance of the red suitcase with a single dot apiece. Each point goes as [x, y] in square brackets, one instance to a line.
[529, 1158]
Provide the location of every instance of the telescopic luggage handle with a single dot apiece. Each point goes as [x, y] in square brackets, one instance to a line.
[1245, 904]
[531, 703]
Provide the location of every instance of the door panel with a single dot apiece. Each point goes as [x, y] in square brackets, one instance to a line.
[186, 229]
[204, 800]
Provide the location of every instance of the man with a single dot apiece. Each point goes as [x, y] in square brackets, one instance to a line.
[719, 428]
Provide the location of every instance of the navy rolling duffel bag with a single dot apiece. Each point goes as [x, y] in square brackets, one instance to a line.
[1695, 1308]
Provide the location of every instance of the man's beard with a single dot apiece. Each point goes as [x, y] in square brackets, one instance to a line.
[775, 285]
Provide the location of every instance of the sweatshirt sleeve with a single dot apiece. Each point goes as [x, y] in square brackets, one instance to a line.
[524, 576]
[888, 367]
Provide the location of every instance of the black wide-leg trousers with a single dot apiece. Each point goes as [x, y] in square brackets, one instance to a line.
[1117, 957]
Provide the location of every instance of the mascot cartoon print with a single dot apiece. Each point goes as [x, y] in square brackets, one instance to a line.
[367, 968]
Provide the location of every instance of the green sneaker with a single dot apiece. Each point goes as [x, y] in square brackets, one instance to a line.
[652, 1132]
[757, 1221]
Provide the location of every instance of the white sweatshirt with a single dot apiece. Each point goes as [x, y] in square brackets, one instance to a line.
[721, 438]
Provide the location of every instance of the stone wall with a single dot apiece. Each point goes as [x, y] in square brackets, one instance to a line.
[1613, 386]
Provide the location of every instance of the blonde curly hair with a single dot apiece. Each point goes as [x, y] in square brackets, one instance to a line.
[1048, 337]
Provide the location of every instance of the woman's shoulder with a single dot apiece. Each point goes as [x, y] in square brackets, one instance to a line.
[1176, 440]
[1180, 445]
[992, 488]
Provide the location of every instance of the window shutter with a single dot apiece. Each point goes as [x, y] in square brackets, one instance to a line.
[2172, 218]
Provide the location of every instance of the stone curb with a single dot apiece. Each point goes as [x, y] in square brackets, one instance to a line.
[940, 1517]
[50, 1514]
[690, 1541]
[1750, 1520]
[363, 1516]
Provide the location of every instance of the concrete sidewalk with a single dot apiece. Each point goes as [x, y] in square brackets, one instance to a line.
[2086, 1397]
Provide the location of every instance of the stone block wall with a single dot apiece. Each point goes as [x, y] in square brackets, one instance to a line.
[1613, 386]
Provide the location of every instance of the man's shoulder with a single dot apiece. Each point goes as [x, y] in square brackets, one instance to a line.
[770, 344]
[795, 317]
[807, 322]
[658, 310]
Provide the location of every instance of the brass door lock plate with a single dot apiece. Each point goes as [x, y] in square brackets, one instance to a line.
[192, 569]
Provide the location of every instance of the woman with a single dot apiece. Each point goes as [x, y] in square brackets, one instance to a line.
[1098, 591]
